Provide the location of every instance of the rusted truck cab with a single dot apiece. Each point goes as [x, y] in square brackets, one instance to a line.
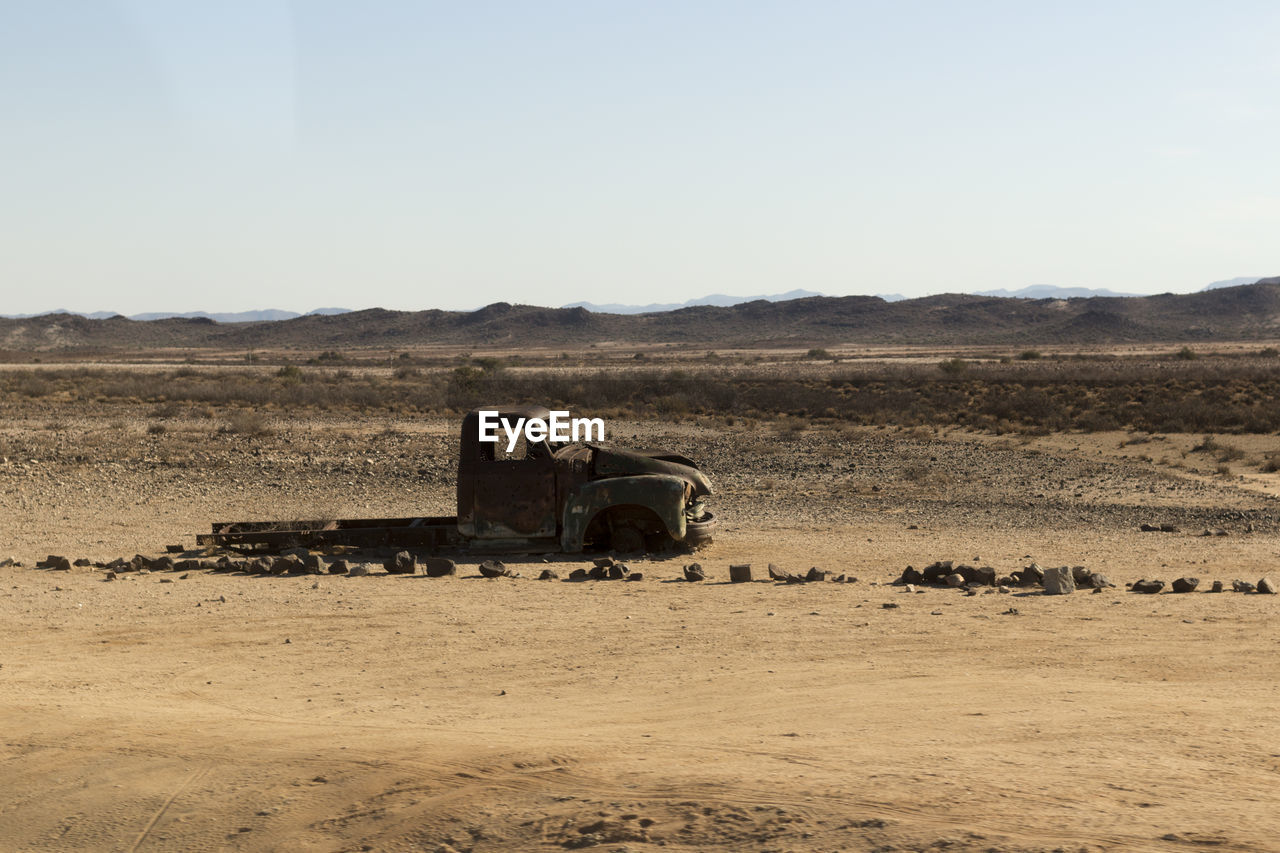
[570, 497]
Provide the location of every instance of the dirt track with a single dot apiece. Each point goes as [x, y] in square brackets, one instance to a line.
[405, 713]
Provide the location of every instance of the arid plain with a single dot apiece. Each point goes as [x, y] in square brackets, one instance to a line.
[211, 711]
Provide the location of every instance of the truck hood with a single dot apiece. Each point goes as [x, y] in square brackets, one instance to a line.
[615, 462]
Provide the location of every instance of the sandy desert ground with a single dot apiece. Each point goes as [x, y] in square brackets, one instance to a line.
[396, 713]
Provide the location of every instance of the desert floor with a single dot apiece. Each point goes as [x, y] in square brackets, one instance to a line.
[404, 713]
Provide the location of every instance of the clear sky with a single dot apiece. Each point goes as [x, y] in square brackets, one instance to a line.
[170, 155]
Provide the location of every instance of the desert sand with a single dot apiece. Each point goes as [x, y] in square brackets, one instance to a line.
[402, 713]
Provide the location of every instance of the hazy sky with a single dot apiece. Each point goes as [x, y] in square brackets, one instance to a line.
[166, 155]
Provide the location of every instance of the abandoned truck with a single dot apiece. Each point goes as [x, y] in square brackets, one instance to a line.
[542, 496]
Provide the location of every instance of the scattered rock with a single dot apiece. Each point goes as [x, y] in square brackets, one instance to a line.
[1185, 584]
[1243, 586]
[815, 575]
[1147, 587]
[740, 573]
[693, 573]
[403, 563]
[1169, 528]
[910, 576]
[955, 579]
[602, 562]
[1214, 531]
[1217, 587]
[439, 567]
[1098, 581]
[889, 605]
[1058, 581]
[1266, 586]
[1032, 575]
[635, 576]
[599, 573]
[55, 562]
[359, 570]
[776, 573]
[82, 562]
[546, 575]
[578, 575]
[494, 569]
[339, 567]
[110, 576]
[618, 572]
[910, 588]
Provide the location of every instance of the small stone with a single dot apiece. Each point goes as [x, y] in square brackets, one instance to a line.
[339, 567]
[1058, 581]
[910, 576]
[578, 575]
[1169, 528]
[694, 573]
[740, 573]
[1266, 586]
[82, 562]
[618, 571]
[1002, 589]
[1243, 586]
[1146, 587]
[602, 562]
[911, 587]
[110, 575]
[183, 576]
[1185, 584]
[815, 575]
[1217, 587]
[889, 605]
[359, 570]
[493, 569]
[403, 563]
[1098, 581]
[635, 576]
[955, 579]
[439, 567]
[546, 575]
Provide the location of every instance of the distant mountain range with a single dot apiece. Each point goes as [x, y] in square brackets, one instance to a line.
[267, 315]
[720, 300]
[1245, 312]
[1050, 291]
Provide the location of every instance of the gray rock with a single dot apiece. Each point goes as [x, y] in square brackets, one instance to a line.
[578, 575]
[312, 562]
[56, 563]
[1098, 581]
[1080, 576]
[909, 576]
[1185, 584]
[1032, 575]
[1266, 586]
[1146, 587]
[359, 570]
[635, 576]
[815, 575]
[954, 579]
[1217, 587]
[1058, 581]
[546, 575]
[494, 569]
[1243, 586]
[740, 573]
[694, 573]
[403, 563]
[439, 567]
[339, 567]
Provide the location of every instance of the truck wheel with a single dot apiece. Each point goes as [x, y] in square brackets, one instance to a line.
[626, 539]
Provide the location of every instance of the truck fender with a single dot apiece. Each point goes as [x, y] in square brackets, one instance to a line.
[662, 493]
